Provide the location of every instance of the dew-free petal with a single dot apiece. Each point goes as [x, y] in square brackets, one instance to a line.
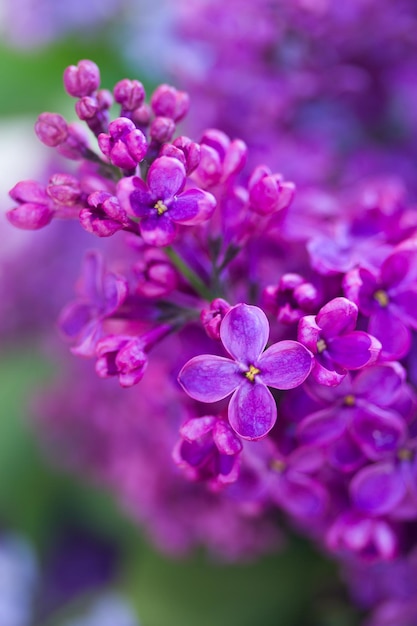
[285, 364]
[209, 378]
[377, 489]
[252, 411]
[244, 332]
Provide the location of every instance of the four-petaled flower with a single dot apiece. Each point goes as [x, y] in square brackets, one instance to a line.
[244, 333]
[161, 203]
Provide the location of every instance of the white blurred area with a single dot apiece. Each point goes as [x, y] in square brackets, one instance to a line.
[22, 157]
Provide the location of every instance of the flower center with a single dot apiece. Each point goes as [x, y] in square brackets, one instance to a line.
[349, 400]
[381, 297]
[160, 207]
[251, 373]
[277, 465]
[321, 346]
[404, 454]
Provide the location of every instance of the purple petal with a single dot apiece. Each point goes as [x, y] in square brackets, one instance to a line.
[244, 332]
[194, 206]
[326, 372]
[166, 177]
[210, 378]
[377, 488]
[378, 433]
[391, 332]
[225, 439]
[380, 384]
[323, 426]
[197, 427]
[396, 267]
[344, 455]
[158, 230]
[404, 305]
[337, 317]
[285, 365]
[91, 282]
[252, 411]
[73, 318]
[115, 290]
[301, 496]
[134, 197]
[354, 350]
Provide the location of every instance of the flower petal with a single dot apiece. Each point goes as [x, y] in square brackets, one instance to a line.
[166, 177]
[252, 411]
[378, 433]
[194, 206]
[337, 317]
[244, 332]
[210, 378]
[354, 350]
[134, 197]
[285, 364]
[377, 489]
[391, 332]
[158, 230]
[323, 426]
[380, 384]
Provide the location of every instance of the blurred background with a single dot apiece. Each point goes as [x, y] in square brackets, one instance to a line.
[70, 554]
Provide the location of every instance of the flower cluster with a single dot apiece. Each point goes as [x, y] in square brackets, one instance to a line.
[272, 335]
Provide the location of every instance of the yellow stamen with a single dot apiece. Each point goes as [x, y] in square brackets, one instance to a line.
[349, 400]
[251, 373]
[160, 207]
[277, 465]
[405, 455]
[381, 297]
[321, 346]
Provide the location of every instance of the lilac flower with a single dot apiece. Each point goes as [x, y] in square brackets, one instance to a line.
[124, 144]
[336, 346]
[291, 299]
[370, 538]
[34, 210]
[365, 407]
[244, 333]
[209, 450]
[104, 216]
[100, 295]
[390, 486]
[160, 202]
[389, 299]
[126, 357]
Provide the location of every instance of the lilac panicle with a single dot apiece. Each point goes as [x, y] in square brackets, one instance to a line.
[244, 333]
[336, 345]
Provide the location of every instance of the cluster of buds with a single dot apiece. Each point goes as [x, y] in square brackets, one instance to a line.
[291, 350]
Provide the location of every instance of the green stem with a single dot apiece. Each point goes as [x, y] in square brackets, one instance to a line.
[189, 274]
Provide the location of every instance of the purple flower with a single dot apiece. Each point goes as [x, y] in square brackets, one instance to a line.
[336, 346]
[244, 333]
[100, 295]
[35, 209]
[389, 299]
[365, 408]
[160, 202]
[124, 144]
[370, 538]
[209, 450]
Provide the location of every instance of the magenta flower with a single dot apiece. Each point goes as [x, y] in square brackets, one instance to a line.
[336, 346]
[389, 299]
[208, 450]
[100, 294]
[160, 202]
[244, 333]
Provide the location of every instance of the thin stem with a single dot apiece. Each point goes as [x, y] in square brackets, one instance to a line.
[189, 274]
